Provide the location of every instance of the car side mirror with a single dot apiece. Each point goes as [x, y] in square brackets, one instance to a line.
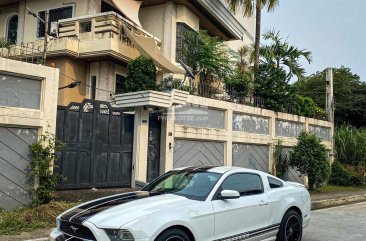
[229, 194]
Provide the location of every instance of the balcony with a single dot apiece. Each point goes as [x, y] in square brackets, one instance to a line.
[96, 36]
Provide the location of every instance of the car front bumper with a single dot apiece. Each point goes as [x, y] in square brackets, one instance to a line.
[56, 235]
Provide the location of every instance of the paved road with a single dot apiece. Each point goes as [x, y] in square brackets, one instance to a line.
[347, 223]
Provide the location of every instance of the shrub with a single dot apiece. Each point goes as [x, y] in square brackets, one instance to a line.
[141, 75]
[43, 155]
[238, 85]
[304, 106]
[281, 160]
[342, 177]
[171, 83]
[309, 157]
[350, 145]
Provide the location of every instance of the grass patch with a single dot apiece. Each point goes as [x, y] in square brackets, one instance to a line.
[330, 189]
[28, 219]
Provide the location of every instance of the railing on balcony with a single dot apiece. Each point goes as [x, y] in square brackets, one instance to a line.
[70, 31]
[25, 52]
[99, 26]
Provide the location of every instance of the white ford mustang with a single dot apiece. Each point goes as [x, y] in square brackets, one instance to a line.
[194, 204]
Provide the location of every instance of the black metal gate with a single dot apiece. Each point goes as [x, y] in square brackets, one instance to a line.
[153, 155]
[98, 145]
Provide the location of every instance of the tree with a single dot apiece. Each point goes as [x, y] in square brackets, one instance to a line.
[272, 85]
[207, 56]
[280, 53]
[349, 94]
[141, 75]
[309, 157]
[248, 7]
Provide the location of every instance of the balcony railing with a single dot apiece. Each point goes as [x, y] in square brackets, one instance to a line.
[86, 36]
[99, 26]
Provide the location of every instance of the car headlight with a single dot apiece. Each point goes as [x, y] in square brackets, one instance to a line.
[119, 234]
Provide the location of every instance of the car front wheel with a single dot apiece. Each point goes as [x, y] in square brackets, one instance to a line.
[173, 235]
[291, 227]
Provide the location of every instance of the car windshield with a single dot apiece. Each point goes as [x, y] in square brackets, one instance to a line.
[191, 184]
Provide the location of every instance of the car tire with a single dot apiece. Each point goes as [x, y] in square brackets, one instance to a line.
[291, 227]
[173, 235]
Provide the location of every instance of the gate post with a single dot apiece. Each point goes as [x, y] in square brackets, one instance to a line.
[140, 145]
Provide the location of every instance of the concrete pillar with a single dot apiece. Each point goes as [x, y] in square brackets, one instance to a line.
[167, 140]
[94, 6]
[228, 148]
[272, 133]
[170, 30]
[140, 144]
[21, 21]
[106, 81]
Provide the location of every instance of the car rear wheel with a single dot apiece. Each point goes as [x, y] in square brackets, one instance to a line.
[291, 227]
[173, 235]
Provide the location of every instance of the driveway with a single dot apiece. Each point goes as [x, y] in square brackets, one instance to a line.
[346, 223]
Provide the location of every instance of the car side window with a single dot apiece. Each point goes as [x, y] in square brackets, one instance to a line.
[274, 183]
[244, 183]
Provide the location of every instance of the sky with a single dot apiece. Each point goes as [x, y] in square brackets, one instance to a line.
[333, 30]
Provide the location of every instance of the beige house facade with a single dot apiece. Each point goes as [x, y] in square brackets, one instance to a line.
[91, 46]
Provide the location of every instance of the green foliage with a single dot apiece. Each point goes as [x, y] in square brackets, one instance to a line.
[207, 56]
[350, 145]
[281, 54]
[171, 83]
[238, 84]
[349, 94]
[43, 155]
[281, 160]
[29, 219]
[309, 157]
[342, 177]
[271, 84]
[305, 106]
[5, 43]
[141, 75]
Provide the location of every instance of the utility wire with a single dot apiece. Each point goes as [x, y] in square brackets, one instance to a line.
[86, 84]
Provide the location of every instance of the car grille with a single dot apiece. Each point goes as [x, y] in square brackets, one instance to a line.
[76, 230]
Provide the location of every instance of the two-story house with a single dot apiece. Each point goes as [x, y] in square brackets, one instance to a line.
[93, 40]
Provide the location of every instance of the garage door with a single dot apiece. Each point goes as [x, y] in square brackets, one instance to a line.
[14, 159]
[251, 156]
[198, 153]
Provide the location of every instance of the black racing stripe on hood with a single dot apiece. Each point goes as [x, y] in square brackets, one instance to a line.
[84, 212]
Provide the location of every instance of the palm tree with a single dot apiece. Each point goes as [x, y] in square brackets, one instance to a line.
[248, 7]
[279, 53]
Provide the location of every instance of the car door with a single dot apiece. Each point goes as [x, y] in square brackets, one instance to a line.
[245, 215]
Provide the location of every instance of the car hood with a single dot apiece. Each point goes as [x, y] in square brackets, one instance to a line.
[114, 211]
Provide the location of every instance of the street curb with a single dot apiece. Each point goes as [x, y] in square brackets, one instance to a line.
[328, 203]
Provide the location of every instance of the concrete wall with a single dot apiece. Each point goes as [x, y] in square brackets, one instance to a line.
[202, 131]
[248, 134]
[71, 69]
[20, 124]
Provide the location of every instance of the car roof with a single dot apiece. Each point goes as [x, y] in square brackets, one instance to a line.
[218, 169]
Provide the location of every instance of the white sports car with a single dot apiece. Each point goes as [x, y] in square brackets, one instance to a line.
[194, 204]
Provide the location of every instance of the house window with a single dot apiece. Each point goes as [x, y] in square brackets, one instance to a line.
[120, 84]
[93, 87]
[85, 27]
[12, 29]
[182, 29]
[53, 16]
